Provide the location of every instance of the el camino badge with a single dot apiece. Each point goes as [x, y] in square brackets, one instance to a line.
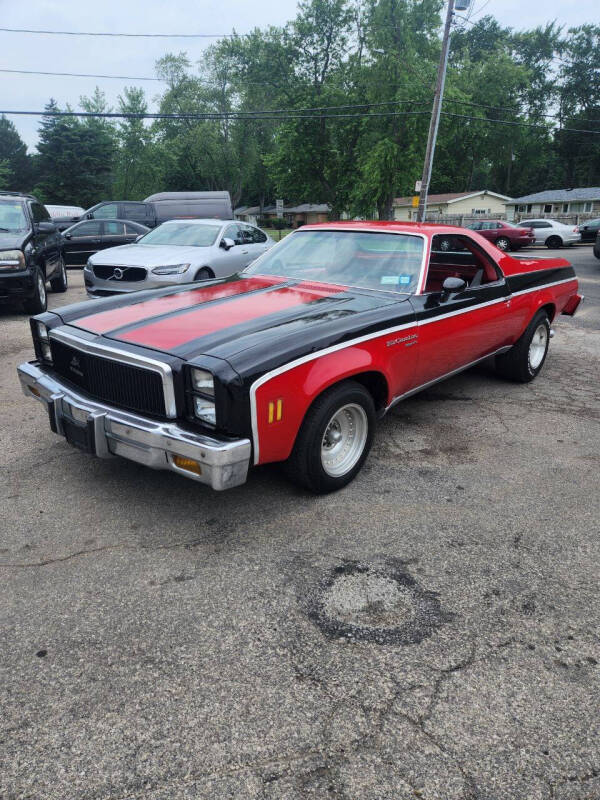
[409, 340]
[75, 366]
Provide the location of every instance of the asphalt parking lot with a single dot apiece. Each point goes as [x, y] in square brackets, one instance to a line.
[429, 632]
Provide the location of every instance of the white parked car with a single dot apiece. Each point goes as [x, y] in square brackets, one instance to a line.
[178, 251]
[552, 233]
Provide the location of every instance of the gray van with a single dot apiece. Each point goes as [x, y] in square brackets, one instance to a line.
[191, 205]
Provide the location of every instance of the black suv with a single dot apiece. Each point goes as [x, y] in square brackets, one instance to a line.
[30, 252]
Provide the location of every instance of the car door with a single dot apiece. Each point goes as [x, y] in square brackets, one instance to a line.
[47, 242]
[82, 241]
[238, 256]
[458, 329]
[542, 230]
[112, 234]
[260, 241]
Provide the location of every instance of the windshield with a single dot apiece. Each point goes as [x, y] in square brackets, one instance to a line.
[388, 261]
[12, 217]
[184, 235]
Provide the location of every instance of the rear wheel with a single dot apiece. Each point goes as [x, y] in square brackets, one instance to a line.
[334, 440]
[38, 302]
[503, 243]
[204, 274]
[554, 242]
[60, 283]
[526, 357]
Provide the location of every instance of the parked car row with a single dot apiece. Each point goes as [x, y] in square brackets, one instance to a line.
[154, 210]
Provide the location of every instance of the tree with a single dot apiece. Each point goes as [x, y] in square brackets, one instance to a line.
[138, 163]
[74, 160]
[17, 175]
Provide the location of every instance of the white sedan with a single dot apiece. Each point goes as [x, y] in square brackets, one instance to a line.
[178, 251]
[552, 233]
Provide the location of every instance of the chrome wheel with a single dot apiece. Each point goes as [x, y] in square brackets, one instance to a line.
[344, 440]
[538, 346]
[503, 244]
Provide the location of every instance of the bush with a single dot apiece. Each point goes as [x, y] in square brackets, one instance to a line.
[279, 223]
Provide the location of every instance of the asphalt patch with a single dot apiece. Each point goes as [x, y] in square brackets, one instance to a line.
[375, 602]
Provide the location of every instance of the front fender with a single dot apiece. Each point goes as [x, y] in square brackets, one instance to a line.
[280, 399]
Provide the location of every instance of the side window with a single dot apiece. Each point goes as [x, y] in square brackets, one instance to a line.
[476, 226]
[132, 230]
[233, 232]
[87, 229]
[135, 211]
[247, 234]
[108, 211]
[258, 237]
[464, 260]
[114, 228]
[39, 213]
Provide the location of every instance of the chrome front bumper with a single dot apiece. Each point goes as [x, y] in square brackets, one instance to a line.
[106, 432]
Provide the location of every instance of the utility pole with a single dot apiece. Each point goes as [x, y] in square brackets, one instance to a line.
[435, 112]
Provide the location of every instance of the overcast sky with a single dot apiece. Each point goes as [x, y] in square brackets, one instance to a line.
[136, 57]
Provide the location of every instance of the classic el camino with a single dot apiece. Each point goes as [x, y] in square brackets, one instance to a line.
[294, 359]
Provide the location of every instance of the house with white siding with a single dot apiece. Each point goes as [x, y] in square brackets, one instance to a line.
[555, 202]
[456, 204]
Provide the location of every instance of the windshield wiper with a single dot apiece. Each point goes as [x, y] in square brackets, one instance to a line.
[6, 230]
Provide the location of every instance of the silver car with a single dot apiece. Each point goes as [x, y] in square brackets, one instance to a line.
[178, 251]
[552, 233]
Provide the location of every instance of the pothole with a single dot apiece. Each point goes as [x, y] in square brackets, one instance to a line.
[380, 603]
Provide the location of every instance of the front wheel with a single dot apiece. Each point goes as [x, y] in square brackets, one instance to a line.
[334, 440]
[525, 359]
[38, 302]
[60, 283]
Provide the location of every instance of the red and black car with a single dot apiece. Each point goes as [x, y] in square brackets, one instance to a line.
[296, 358]
[504, 235]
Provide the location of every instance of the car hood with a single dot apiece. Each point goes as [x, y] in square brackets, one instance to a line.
[248, 321]
[149, 255]
[13, 241]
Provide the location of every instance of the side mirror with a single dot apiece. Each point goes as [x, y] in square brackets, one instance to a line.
[89, 216]
[227, 243]
[46, 227]
[452, 286]
[68, 235]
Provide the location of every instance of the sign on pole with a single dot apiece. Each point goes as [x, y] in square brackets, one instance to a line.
[279, 207]
[415, 201]
[418, 186]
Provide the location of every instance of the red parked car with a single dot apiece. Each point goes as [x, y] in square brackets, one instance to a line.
[297, 357]
[504, 235]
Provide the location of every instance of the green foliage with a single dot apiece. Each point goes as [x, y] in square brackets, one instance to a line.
[369, 57]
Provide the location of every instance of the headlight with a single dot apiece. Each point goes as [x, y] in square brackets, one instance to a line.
[205, 410]
[43, 341]
[175, 269]
[203, 381]
[42, 331]
[12, 259]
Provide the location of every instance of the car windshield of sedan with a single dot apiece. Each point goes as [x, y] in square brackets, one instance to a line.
[385, 261]
[183, 235]
[12, 217]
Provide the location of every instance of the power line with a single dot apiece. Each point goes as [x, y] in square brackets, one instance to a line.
[78, 75]
[261, 115]
[128, 35]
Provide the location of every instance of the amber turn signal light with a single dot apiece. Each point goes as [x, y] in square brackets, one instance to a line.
[188, 464]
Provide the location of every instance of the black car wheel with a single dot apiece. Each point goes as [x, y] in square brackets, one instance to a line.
[503, 243]
[525, 359]
[554, 242]
[38, 302]
[60, 283]
[334, 440]
[204, 274]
